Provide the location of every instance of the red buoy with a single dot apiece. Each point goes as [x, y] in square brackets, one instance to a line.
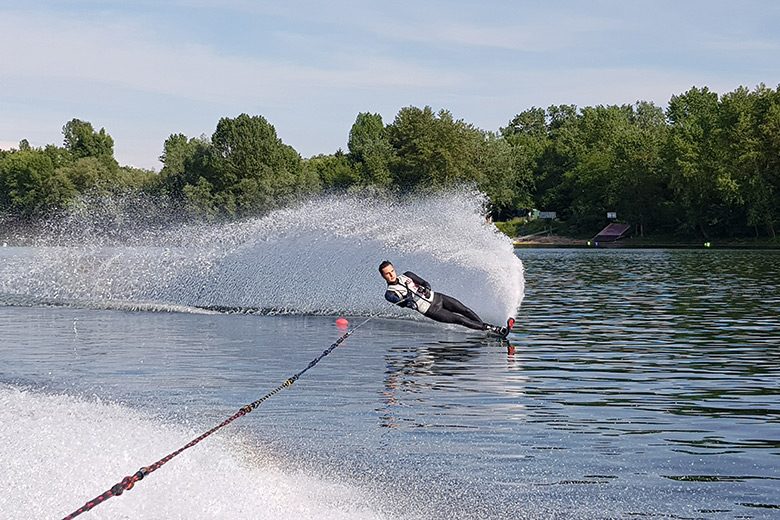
[342, 322]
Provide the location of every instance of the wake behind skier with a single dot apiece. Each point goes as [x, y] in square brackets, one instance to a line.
[411, 291]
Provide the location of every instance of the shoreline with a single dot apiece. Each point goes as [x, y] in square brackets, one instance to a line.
[563, 242]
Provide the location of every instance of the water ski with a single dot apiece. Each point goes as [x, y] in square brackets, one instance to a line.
[502, 332]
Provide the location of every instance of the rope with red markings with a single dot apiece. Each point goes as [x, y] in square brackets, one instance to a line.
[128, 482]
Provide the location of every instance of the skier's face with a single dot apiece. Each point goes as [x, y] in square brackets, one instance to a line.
[388, 273]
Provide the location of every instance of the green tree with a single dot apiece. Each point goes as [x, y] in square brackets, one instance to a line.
[370, 150]
[531, 123]
[334, 171]
[82, 140]
[554, 191]
[254, 165]
[432, 149]
[58, 155]
[31, 185]
[185, 162]
[528, 135]
[592, 176]
[137, 179]
[750, 156]
[701, 186]
[95, 176]
[504, 176]
[641, 194]
[201, 199]
[90, 174]
[769, 136]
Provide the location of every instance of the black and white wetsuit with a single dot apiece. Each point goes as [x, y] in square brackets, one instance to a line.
[409, 290]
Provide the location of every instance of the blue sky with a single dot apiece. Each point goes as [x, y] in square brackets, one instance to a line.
[145, 69]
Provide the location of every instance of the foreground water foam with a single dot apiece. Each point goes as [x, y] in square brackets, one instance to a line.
[317, 257]
[60, 451]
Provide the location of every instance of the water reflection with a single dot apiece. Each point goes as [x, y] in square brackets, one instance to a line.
[424, 376]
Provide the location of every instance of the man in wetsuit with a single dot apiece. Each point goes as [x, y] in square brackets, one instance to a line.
[411, 291]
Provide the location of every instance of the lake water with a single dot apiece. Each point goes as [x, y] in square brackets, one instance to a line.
[641, 384]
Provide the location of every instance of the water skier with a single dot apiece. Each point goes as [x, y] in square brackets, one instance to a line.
[410, 291]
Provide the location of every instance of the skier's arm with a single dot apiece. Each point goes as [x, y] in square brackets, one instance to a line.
[393, 297]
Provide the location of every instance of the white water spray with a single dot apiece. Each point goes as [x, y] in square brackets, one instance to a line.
[60, 451]
[317, 257]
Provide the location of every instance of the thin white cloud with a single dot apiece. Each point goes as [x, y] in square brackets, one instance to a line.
[741, 45]
[527, 26]
[520, 29]
[536, 36]
[128, 56]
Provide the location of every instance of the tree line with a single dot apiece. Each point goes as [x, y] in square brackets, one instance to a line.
[707, 165]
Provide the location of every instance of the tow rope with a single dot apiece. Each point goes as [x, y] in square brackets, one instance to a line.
[128, 482]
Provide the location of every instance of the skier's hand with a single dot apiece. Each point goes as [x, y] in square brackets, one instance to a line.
[407, 301]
